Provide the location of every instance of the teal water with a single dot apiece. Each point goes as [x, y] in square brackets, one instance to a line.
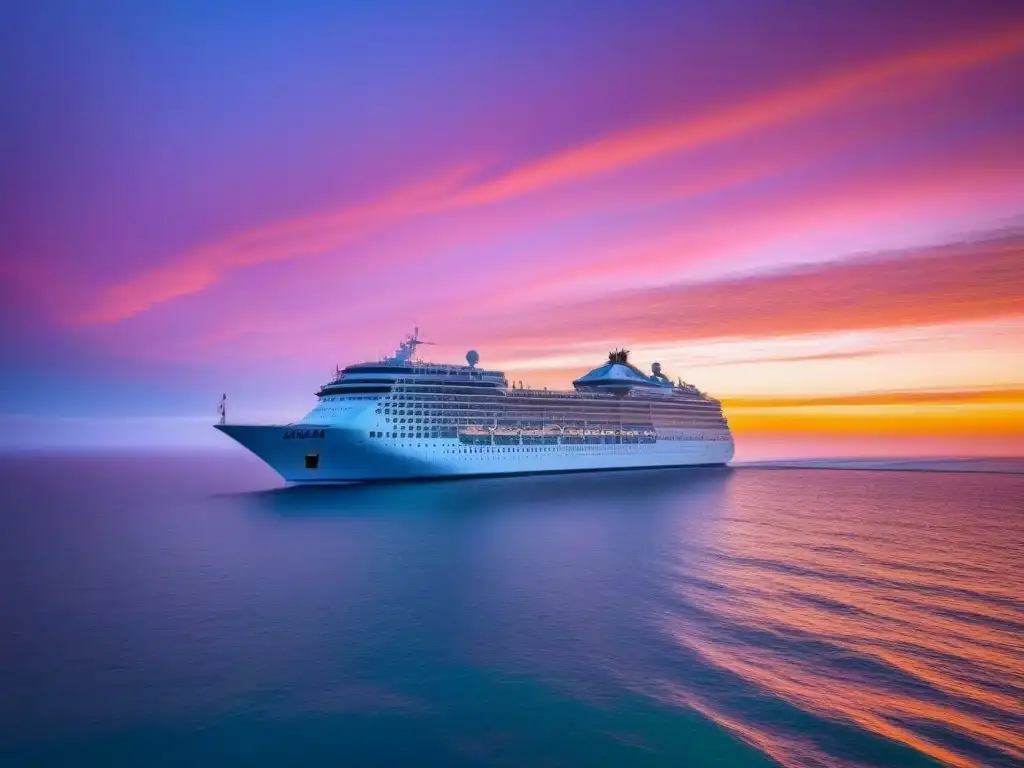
[186, 610]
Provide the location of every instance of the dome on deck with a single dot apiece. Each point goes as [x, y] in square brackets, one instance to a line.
[617, 375]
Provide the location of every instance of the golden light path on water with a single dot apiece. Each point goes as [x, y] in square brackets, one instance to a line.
[893, 605]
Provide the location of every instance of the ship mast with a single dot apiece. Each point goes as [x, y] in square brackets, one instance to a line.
[407, 348]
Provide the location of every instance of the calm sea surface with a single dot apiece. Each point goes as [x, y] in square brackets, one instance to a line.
[173, 610]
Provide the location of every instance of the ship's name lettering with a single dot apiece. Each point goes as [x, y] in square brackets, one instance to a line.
[304, 434]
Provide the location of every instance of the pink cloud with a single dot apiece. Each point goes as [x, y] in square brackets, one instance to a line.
[982, 178]
[198, 269]
[636, 146]
[201, 267]
[960, 282]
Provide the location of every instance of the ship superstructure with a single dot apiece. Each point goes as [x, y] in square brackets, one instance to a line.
[403, 418]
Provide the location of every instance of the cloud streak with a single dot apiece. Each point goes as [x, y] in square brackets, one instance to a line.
[200, 268]
[962, 282]
[636, 146]
[986, 176]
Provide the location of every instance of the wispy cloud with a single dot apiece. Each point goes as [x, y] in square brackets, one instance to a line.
[202, 267]
[959, 282]
[635, 146]
[741, 233]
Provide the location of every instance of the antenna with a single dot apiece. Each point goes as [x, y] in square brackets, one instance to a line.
[407, 348]
[415, 337]
[414, 340]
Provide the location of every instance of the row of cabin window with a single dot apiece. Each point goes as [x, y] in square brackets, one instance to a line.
[449, 397]
[420, 435]
[466, 422]
[422, 393]
[696, 409]
[527, 416]
[595, 413]
[502, 449]
[667, 420]
[694, 424]
[489, 449]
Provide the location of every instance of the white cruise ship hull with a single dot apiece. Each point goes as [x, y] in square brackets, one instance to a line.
[321, 453]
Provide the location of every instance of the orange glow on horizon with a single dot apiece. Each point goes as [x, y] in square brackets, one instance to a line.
[908, 419]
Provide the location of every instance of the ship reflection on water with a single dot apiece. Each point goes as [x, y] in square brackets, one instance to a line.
[493, 494]
[706, 616]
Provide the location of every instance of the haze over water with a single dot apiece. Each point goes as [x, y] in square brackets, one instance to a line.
[186, 610]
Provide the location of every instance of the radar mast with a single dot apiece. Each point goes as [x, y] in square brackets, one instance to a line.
[407, 349]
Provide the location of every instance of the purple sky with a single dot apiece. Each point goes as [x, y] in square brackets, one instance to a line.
[203, 196]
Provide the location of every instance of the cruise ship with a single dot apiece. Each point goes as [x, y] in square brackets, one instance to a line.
[401, 418]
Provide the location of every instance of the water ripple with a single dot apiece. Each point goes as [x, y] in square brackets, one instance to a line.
[909, 628]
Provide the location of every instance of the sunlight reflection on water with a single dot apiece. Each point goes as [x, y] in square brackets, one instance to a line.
[827, 617]
[893, 604]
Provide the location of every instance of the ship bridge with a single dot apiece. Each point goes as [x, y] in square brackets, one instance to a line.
[380, 377]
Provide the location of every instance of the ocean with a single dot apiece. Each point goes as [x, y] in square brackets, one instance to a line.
[166, 609]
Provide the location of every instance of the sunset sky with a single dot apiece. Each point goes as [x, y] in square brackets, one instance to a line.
[812, 210]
